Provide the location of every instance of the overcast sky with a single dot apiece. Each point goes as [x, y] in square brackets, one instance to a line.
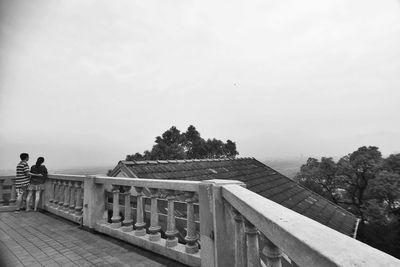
[84, 83]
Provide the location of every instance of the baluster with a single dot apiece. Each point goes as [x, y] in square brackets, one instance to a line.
[240, 240]
[154, 228]
[1, 193]
[171, 232]
[51, 192]
[78, 198]
[67, 188]
[191, 236]
[56, 193]
[271, 252]
[59, 190]
[253, 252]
[72, 198]
[61, 195]
[140, 225]
[127, 224]
[115, 219]
[82, 185]
[13, 193]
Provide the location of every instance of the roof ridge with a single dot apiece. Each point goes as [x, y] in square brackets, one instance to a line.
[166, 161]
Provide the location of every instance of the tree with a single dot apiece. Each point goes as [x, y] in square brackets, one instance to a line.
[319, 176]
[392, 163]
[355, 172]
[367, 185]
[136, 156]
[169, 145]
[384, 192]
[173, 144]
[381, 228]
[195, 146]
[230, 149]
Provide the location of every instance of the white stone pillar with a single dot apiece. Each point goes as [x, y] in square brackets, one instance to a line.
[272, 253]
[67, 188]
[56, 193]
[115, 219]
[240, 240]
[127, 224]
[52, 192]
[13, 193]
[253, 251]
[171, 232]
[191, 235]
[154, 228]
[72, 198]
[60, 194]
[1, 192]
[95, 203]
[140, 225]
[78, 198]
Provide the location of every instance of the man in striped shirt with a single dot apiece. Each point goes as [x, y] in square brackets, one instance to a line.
[22, 178]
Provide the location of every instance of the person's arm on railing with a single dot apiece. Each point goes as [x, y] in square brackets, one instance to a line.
[33, 171]
[45, 172]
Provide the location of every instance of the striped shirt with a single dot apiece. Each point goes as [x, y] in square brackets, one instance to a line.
[22, 178]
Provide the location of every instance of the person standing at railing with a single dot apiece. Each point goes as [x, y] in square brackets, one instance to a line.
[38, 178]
[22, 179]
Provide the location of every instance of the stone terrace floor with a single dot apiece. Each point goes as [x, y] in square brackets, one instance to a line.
[42, 239]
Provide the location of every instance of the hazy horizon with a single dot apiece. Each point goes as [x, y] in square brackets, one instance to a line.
[84, 83]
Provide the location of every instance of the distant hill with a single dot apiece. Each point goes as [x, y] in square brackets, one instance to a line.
[288, 167]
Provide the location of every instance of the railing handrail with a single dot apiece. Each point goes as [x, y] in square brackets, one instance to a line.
[68, 177]
[6, 177]
[51, 176]
[179, 185]
[305, 241]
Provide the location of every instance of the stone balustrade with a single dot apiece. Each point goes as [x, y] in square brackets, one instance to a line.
[288, 236]
[7, 193]
[211, 223]
[63, 196]
[133, 222]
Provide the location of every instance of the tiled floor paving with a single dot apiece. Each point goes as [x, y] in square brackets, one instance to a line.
[42, 239]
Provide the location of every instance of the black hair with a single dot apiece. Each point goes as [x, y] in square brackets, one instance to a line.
[24, 156]
[39, 161]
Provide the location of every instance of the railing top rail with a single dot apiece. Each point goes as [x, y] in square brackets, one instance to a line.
[306, 241]
[179, 185]
[69, 177]
[6, 177]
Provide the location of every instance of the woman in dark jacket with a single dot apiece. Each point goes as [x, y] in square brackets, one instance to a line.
[37, 182]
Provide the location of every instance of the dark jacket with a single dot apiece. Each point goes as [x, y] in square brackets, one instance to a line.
[41, 169]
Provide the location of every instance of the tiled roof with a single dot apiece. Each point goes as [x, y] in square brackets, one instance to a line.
[258, 178]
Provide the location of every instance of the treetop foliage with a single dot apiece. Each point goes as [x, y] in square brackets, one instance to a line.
[366, 184]
[173, 144]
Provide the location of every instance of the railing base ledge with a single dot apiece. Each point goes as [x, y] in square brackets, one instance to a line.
[65, 215]
[7, 208]
[176, 253]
